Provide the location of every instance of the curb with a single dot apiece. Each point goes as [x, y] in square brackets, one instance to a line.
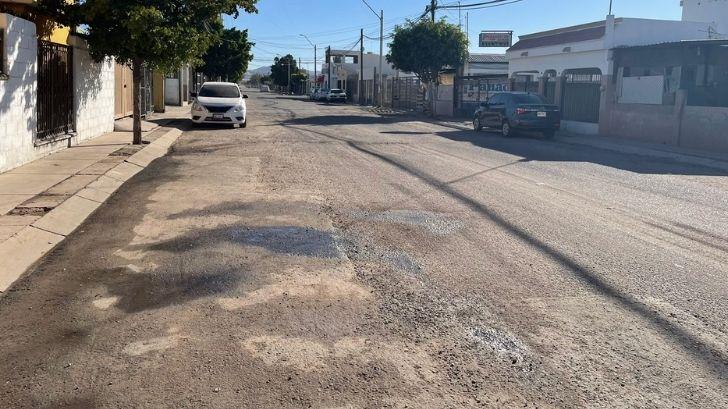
[22, 251]
[684, 158]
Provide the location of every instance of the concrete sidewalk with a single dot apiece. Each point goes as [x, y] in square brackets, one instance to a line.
[627, 146]
[44, 201]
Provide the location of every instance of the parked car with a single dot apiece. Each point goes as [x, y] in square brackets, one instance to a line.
[264, 88]
[336, 95]
[219, 102]
[312, 94]
[515, 111]
[320, 94]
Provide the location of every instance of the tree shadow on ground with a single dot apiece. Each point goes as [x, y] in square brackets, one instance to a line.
[537, 149]
[139, 292]
[288, 240]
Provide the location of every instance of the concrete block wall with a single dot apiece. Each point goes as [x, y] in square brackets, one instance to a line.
[18, 92]
[93, 85]
[93, 95]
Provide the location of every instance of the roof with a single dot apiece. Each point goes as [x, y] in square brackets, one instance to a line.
[566, 37]
[488, 58]
[582, 32]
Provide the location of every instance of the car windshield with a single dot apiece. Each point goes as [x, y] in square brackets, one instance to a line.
[336, 91]
[220, 91]
[528, 99]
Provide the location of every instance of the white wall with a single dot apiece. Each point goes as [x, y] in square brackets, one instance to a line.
[639, 31]
[714, 12]
[18, 93]
[560, 61]
[93, 100]
[642, 90]
[93, 85]
[593, 53]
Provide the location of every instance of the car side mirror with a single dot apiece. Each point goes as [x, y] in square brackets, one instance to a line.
[245, 96]
[193, 94]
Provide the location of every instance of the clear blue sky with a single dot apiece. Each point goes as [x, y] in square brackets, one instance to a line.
[276, 28]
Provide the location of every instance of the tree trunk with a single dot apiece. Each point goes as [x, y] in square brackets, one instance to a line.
[138, 75]
[430, 106]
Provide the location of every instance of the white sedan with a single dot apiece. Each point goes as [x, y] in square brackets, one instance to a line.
[219, 103]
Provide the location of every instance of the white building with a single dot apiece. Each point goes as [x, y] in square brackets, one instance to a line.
[486, 64]
[714, 12]
[345, 67]
[582, 54]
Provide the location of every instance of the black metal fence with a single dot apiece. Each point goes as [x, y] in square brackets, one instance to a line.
[2, 54]
[55, 91]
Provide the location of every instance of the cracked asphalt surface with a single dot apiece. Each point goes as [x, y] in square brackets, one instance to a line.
[326, 257]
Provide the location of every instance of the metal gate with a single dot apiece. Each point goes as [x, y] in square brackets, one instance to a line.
[524, 83]
[407, 93]
[582, 95]
[146, 90]
[471, 91]
[549, 90]
[55, 91]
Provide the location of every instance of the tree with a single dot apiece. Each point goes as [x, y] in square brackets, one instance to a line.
[279, 71]
[229, 56]
[158, 34]
[298, 79]
[424, 47]
[255, 79]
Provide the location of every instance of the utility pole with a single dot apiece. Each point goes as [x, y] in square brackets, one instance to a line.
[315, 73]
[328, 62]
[433, 6]
[381, 51]
[460, 18]
[381, 57]
[610, 7]
[361, 67]
[289, 77]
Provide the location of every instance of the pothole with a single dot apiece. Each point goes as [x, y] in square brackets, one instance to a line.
[501, 342]
[435, 223]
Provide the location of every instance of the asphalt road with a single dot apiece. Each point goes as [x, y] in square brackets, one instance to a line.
[327, 257]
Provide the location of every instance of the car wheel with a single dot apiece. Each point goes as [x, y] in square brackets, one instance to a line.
[477, 126]
[549, 134]
[506, 129]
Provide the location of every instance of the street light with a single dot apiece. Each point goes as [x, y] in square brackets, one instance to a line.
[381, 50]
[315, 73]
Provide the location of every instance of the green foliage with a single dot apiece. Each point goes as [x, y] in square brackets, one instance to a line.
[164, 34]
[279, 70]
[299, 77]
[256, 79]
[229, 56]
[424, 47]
